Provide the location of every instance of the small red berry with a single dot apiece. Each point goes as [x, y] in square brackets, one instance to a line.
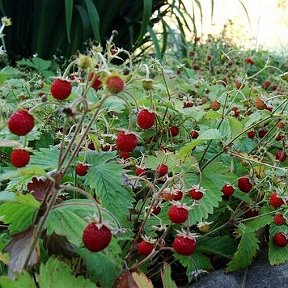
[187, 104]
[275, 201]
[115, 84]
[21, 122]
[251, 213]
[227, 190]
[244, 184]
[126, 141]
[177, 195]
[251, 134]
[215, 105]
[184, 245]
[139, 171]
[173, 131]
[162, 170]
[249, 61]
[81, 169]
[196, 194]
[266, 84]
[96, 237]
[19, 158]
[91, 146]
[156, 209]
[124, 155]
[97, 84]
[144, 248]
[61, 89]
[281, 155]
[260, 104]
[178, 214]
[262, 133]
[194, 134]
[280, 239]
[279, 219]
[146, 119]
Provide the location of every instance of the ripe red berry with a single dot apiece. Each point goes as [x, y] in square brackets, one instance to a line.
[162, 170]
[276, 201]
[146, 119]
[244, 184]
[139, 171]
[126, 141]
[97, 84]
[61, 89]
[280, 239]
[115, 84]
[177, 195]
[91, 146]
[196, 194]
[251, 212]
[187, 104]
[251, 134]
[281, 155]
[238, 84]
[20, 157]
[178, 214]
[262, 133]
[249, 61]
[215, 105]
[184, 245]
[279, 219]
[124, 155]
[21, 122]
[266, 84]
[280, 124]
[227, 190]
[173, 131]
[194, 134]
[81, 169]
[260, 104]
[156, 209]
[96, 237]
[144, 248]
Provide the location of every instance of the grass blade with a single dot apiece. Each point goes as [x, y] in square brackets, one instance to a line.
[68, 17]
[94, 19]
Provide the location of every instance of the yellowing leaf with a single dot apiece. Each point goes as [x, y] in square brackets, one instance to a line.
[142, 280]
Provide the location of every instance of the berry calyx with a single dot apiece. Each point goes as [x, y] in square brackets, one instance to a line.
[96, 237]
[184, 245]
[61, 89]
[244, 184]
[227, 190]
[126, 141]
[21, 122]
[146, 119]
[115, 84]
[280, 239]
[162, 170]
[276, 201]
[178, 214]
[279, 219]
[144, 248]
[81, 169]
[19, 158]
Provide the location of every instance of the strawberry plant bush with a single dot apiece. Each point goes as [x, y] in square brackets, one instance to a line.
[145, 173]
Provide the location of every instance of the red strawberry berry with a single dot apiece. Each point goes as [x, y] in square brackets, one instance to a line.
[251, 134]
[215, 105]
[96, 237]
[281, 155]
[61, 89]
[266, 84]
[262, 133]
[178, 214]
[81, 169]
[19, 158]
[139, 171]
[177, 195]
[194, 134]
[279, 219]
[184, 245]
[196, 194]
[146, 119]
[144, 248]
[124, 155]
[249, 61]
[126, 141]
[251, 212]
[260, 104]
[156, 209]
[115, 84]
[187, 104]
[244, 184]
[21, 122]
[173, 131]
[162, 170]
[227, 190]
[280, 239]
[97, 84]
[276, 201]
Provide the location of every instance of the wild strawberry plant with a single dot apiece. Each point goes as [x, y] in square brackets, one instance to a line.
[143, 173]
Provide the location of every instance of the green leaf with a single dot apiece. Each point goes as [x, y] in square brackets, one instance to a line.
[68, 16]
[23, 280]
[47, 158]
[101, 267]
[236, 127]
[19, 213]
[155, 42]
[166, 277]
[106, 177]
[210, 134]
[58, 274]
[261, 220]
[277, 255]
[94, 19]
[246, 251]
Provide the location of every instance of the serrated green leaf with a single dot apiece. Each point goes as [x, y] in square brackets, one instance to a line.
[169, 159]
[23, 280]
[6, 196]
[246, 251]
[210, 134]
[58, 274]
[47, 158]
[236, 127]
[19, 213]
[166, 277]
[277, 255]
[262, 219]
